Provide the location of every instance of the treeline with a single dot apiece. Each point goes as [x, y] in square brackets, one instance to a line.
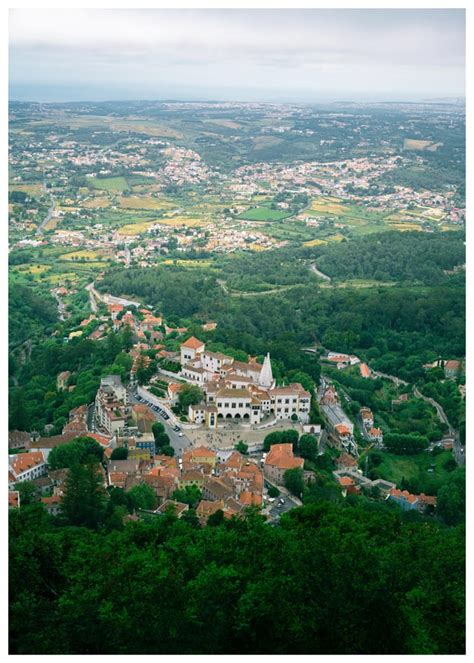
[396, 329]
[394, 256]
[166, 586]
[249, 272]
[172, 290]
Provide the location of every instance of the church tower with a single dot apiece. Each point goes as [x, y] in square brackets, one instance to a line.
[265, 378]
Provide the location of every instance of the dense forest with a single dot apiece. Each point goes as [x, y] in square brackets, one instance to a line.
[29, 313]
[313, 585]
[397, 329]
[389, 256]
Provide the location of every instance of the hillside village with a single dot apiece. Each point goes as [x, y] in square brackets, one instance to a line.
[236, 407]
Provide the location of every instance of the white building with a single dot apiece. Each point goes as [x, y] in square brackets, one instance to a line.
[111, 411]
[27, 466]
[238, 390]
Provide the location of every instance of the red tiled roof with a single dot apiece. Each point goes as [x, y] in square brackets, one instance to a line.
[27, 461]
[193, 343]
[14, 498]
[281, 456]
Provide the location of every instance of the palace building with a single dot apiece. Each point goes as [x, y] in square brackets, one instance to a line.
[237, 390]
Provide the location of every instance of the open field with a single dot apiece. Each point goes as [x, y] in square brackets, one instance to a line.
[101, 122]
[403, 227]
[31, 189]
[414, 144]
[263, 214]
[260, 142]
[138, 202]
[83, 254]
[188, 263]
[109, 183]
[97, 203]
[315, 242]
[327, 206]
[35, 270]
[135, 228]
[52, 223]
[181, 221]
[395, 468]
[229, 124]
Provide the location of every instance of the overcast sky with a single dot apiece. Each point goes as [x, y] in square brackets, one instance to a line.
[255, 55]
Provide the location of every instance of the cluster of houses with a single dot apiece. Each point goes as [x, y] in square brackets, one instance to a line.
[352, 482]
[453, 368]
[372, 433]
[228, 481]
[238, 391]
[339, 427]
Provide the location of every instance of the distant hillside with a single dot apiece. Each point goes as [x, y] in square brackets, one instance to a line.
[394, 256]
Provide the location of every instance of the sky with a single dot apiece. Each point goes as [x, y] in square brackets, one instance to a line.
[300, 55]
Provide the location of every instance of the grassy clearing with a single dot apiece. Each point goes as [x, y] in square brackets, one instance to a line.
[229, 124]
[31, 189]
[411, 468]
[204, 264]
[109, 183]
[403, 227]
[138, 202]
[84, 254]
[326, 206]
[135, 228]
[35, 270]
[335, 238]
[97, 203]
[260, 142]
[315, 242]
[181, 221]
[414, 144]
[263, 214]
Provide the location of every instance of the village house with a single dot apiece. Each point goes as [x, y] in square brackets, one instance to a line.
[62, 379]
[52, 504]
[27, 466]
[142, 417]
[367, 417]
[207, 508]
[279, 459]
[375, 435]
[403, 498]
[171, 506]
[348, 486]
[452, 369]
[110, 404]
[346, 462]
[18, 439]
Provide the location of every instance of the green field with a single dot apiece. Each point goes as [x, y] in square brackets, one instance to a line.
[263, 214]
[415, 469]
[109, 183]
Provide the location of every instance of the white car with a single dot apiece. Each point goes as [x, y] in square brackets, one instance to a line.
[180, 435]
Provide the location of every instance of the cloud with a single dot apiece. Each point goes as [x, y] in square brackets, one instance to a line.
[260, 47]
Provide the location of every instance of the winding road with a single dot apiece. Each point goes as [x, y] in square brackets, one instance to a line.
[314, 269]
[49, 216]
